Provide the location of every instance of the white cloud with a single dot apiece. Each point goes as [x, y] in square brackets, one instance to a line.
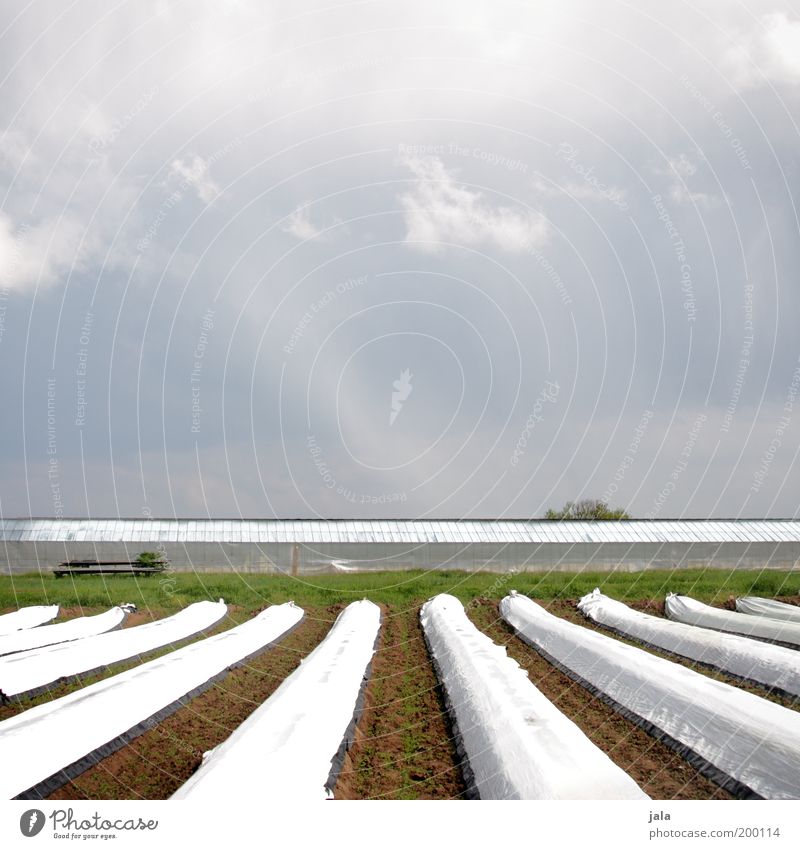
[44, 253]
[197, 175]
[438, 210]
[299, 224]
[770, 49]
[680, 170]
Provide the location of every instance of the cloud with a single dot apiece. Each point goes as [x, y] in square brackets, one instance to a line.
[44, 253]
[197, 175]
[680, 169]
[438, 210]
[766, 52]
[299, 224]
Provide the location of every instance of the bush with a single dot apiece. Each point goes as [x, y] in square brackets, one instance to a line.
[152, 560]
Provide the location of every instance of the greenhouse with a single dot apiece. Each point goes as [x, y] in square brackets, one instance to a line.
[339, 545]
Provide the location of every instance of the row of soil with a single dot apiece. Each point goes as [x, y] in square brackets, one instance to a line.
[157, 763]
[657, 769]
[404, 747]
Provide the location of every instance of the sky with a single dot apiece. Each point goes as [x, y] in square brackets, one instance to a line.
[383, 259]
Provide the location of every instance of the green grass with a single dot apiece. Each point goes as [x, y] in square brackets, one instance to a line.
[170, 592]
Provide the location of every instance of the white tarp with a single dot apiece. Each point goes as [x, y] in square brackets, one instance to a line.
[27, 617]
[752, 740]
[692, 612]
[39, 743]
[32, 670]
[519, 745]
[768, 607]
[774, 666]
[72, 629]
[285, 749]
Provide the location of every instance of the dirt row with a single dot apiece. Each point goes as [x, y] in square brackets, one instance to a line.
[404, 747]
[156, 764]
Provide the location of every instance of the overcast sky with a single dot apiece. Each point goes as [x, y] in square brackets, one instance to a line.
[404, 259]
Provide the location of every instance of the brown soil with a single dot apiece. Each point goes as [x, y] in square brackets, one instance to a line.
[658, 770]
[156, 764]
[404, 747]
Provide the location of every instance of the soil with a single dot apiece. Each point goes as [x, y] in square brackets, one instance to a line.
[156, 764]
[404, 747]
[657, 769]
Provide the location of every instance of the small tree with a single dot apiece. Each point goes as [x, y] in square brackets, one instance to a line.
[589, 508]
[152, 560]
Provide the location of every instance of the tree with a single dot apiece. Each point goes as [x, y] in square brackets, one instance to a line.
[589, 508]
[152, 560]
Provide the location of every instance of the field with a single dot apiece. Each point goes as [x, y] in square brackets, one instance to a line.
[403, 747]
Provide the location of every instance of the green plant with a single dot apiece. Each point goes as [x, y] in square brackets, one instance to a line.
[589, 508]
[152, 560]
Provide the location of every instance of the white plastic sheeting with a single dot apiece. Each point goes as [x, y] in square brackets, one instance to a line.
[27, 617]
[519, 745]
[692, 612]
[773, 666]
[768, 607]
[742, 736]
[72, 629]
[33, 670]
[285, 749]
[43, 746]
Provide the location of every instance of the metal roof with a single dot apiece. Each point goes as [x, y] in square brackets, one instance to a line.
[397, 531]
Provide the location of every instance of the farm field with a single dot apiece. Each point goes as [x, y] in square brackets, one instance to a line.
[403, 747]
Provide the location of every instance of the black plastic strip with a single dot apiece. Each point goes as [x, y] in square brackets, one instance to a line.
[59, 779]
[701, 764]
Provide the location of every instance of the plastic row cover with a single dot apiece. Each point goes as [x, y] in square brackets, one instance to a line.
[31, 671]
[285, 749]
[519, 745]
[72, 629]
[685, 609]
[43, 746]
[27, 617]
[768, 607]
[744, 737]
[773, 666]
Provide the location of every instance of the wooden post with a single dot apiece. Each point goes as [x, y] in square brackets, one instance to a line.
[295, 560]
